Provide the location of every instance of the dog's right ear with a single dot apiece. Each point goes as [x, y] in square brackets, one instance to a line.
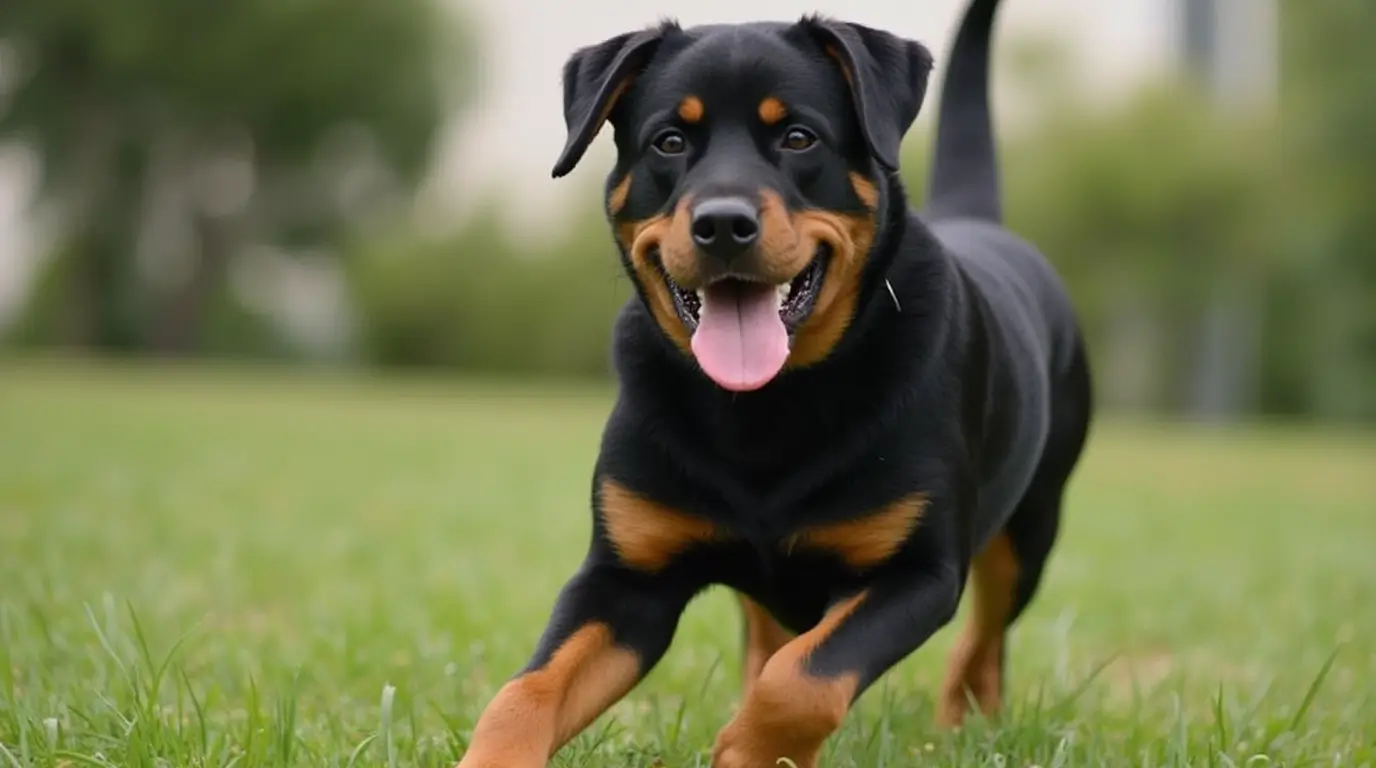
[595, 77]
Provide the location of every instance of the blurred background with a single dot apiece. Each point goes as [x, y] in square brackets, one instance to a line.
[366, 184]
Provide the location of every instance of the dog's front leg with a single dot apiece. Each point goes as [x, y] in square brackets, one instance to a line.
[609, 627]
[807, 687]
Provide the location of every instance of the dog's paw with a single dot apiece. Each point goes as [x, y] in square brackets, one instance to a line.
[738, 748]
[476, 760]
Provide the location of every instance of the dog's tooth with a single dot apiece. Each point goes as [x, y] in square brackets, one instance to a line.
[781, 292]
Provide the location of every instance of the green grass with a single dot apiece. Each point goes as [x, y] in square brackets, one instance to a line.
[213, 567]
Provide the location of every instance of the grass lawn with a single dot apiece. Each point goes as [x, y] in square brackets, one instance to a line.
[227, 567]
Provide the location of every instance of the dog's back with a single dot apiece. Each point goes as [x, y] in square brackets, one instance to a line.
[1039, 404]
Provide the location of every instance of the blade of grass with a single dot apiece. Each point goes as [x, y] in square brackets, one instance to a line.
[1313, 691]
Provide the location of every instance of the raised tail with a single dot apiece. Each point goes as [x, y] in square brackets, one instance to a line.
[965, 173]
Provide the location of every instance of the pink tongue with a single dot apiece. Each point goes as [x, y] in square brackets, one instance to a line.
[741, 342]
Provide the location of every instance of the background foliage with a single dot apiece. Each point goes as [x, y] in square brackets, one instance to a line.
[176, 137]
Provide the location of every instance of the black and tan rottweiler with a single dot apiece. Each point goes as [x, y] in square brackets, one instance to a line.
[838, 407]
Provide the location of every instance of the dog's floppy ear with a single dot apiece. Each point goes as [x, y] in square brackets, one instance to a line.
[595, 77]
[887, 76]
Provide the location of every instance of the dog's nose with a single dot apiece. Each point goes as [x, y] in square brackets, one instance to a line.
[724, 228]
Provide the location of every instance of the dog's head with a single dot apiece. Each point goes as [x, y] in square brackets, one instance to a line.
[752, 165]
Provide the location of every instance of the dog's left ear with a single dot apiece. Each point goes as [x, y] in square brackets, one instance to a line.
[887, 75]
[595, 77]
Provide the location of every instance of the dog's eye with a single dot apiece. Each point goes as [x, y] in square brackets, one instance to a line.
[669, 142]
[798, 139]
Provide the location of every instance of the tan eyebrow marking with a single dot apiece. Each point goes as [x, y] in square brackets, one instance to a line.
[690, 109]
[772, 111]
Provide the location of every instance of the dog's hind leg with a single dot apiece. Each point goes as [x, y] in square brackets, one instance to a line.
[1033, 527]
[975, 667]
[1006, 575]
[763, 636]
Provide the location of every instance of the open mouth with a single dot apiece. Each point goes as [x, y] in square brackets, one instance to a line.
[794, 299]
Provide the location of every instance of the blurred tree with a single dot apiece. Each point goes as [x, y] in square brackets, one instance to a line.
[1151, 207]
[175, 135]
[534, 311]
[1147, 210]
[1328, 82]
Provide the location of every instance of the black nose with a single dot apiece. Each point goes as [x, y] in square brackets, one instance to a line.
[724, 228]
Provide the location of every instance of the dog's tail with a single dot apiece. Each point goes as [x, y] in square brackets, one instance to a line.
[965, 174]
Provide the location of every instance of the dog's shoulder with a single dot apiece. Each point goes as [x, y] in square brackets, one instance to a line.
[1017, 286]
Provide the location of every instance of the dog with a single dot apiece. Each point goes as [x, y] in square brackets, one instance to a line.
[838, 407]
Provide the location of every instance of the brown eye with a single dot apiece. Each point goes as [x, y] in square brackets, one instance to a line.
[799, 139]
[670, 142]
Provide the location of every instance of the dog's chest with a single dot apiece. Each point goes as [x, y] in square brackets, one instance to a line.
[796, 569]
[796, 584]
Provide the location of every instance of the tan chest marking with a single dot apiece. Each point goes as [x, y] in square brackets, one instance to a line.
[866, 541]
[647, 535]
